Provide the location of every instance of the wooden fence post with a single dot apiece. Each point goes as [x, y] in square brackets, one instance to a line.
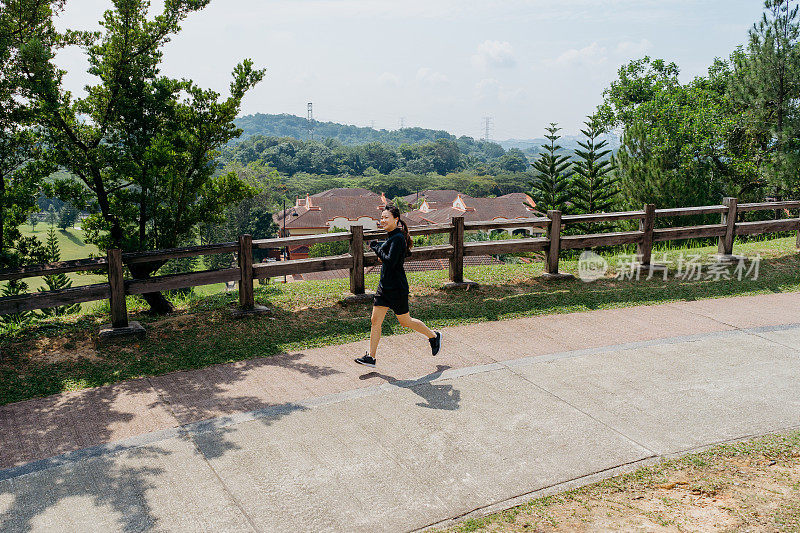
[554, 235]
[457, 259]
[116, 282]
[554, 247]
[644, 249]
[120, 326]
[457, 280]
[247, 304]
[246, 300]
[725, 247]
[797, 242]
[357, 251]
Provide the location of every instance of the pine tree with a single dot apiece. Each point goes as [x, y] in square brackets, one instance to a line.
[767, 87]
[55, 282]
[15, 287]
[596, 188]
[552, 187]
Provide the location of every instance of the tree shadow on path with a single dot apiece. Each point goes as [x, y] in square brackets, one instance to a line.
[127, 482]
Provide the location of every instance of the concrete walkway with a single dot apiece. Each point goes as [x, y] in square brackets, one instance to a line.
[312, 442]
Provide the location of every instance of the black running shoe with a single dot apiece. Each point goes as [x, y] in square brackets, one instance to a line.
[366, 360]
[436, 343]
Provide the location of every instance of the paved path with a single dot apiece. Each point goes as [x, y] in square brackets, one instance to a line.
[311, 442]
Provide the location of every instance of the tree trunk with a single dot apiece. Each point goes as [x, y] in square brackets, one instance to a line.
[159, 305]
[2, 215]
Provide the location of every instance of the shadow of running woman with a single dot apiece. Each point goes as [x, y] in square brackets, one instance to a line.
[436, 396]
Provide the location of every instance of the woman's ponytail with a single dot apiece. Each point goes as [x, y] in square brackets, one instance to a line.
[403, 226]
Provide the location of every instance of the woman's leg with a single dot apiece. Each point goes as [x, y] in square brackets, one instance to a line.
[378, 314]
[415, 324]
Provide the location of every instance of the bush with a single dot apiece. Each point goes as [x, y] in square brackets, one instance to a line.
[326, 249]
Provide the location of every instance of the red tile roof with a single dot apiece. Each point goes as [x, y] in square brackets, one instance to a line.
[509, 206]
[437, 198]
[324, 207]
[347, 192]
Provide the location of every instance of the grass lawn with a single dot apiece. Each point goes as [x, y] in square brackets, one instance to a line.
[746, 486]
[57, 355]
[72, 246]
[70, 240]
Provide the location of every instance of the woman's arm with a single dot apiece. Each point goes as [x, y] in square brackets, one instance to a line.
[392, 251]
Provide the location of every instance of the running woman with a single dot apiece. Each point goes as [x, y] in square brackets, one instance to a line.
[392, 290]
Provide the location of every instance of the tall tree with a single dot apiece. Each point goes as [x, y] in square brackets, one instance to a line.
[140, 146]
[551, 187]
[24, 26]
[767, 85]
[67, 216]
[682, 144]
[596, 188]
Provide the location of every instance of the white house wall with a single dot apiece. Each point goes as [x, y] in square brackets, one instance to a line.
[345, 223]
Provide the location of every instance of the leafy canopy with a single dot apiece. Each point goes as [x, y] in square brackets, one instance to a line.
[139, 146]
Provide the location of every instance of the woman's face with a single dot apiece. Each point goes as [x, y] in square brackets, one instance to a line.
[388, 222]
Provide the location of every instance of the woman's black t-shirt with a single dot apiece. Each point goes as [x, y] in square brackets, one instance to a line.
[392, 253]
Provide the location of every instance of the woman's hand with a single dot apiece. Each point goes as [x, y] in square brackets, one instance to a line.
[374, 245]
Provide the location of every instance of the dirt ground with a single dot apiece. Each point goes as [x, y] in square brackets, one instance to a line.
[743, 487]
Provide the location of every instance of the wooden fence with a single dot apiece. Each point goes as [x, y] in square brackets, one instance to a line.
[551, 244]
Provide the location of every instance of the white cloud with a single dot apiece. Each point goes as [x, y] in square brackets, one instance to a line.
[491, 90]
[487, 88]
[428, 76]
[633, 49]
[502, 10]
[387, 79]
[591, 55]
[366, 8]
[494, 54]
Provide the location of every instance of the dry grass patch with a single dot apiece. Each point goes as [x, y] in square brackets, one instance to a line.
[749, 486]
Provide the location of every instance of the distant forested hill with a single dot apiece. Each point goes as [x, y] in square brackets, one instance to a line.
[297, 127]
[532, 147]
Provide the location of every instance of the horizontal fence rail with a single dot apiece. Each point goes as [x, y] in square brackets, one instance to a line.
[61, 267]
[551, 243]
[602, 217]
[538, 222]
[769, 206]
[176, 253]
[688, 211]
[43, 300]
[181, 281]
[572, 242]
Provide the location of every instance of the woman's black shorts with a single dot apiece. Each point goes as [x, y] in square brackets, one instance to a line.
[396, 301]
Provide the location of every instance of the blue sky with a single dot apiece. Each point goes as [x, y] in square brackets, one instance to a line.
[441, 64]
